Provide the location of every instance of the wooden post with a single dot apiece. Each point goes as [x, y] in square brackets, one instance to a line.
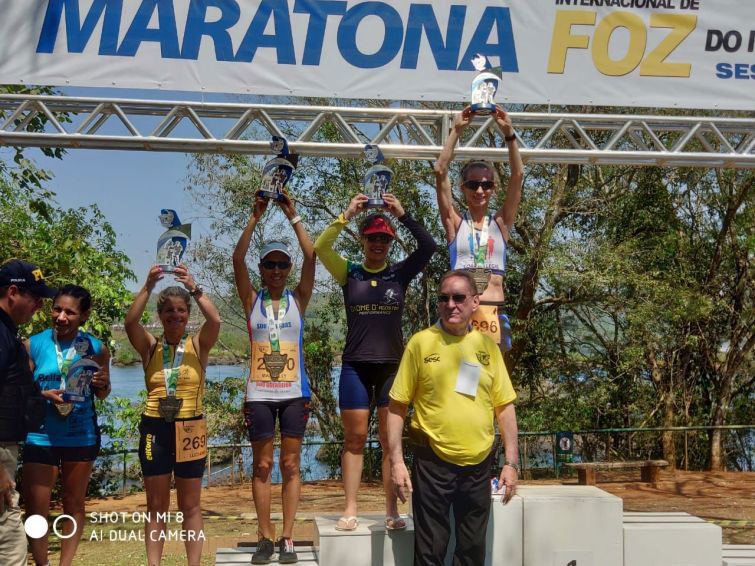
[233, 466]
[123, 481]
[525, 471]
[686, 451]
[209, 465]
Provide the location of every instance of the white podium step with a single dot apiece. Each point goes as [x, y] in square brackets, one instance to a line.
[661, 539]
[371, 544]
[738, 555]
[243, 555]
[570, 525]
[503, 539]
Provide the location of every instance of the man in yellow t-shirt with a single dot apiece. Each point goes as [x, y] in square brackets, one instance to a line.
[456, 379]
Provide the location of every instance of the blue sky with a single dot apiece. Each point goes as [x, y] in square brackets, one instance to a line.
[130, 187]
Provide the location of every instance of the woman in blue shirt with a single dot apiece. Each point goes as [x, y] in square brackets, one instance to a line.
[69, 440]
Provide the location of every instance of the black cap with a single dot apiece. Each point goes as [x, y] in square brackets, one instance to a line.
[26, 276]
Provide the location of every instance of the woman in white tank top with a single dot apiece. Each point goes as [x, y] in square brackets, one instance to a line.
[277, 388]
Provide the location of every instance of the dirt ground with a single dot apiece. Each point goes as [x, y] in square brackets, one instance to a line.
[727, 498]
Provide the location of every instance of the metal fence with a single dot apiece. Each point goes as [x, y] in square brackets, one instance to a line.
[539, 454]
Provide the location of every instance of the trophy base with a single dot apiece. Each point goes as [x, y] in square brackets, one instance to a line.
[375, 203]
[482, 108]
[271, 195]
[166, 267]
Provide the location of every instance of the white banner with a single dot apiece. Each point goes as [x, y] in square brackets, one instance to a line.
[651, 53]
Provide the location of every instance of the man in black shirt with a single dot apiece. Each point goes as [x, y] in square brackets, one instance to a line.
[22, 289]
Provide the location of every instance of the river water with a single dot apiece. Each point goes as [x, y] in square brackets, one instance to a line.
[128, 382]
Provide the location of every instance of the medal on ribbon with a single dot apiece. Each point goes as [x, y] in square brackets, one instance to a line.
[275, 362]
[479, 249]
[484, 86]
[377, 179]
[80, 347]
[171, 245]
[169, 406]
[278, 171]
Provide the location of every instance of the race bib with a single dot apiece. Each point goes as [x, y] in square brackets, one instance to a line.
[267, 366]
[485, 319]
[191, 440]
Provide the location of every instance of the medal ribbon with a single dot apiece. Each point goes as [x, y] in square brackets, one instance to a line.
[479, 247]
[172, 367]
[64, 363]
[273, 325]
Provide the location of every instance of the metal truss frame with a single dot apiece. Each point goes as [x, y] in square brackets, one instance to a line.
[405, 133]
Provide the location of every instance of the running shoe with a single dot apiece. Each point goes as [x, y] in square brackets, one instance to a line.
[264, 552]
[286, 552]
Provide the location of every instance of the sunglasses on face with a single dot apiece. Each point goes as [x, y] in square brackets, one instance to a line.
[457, 298]
[474, 185]
[379, 238]
[273, 264]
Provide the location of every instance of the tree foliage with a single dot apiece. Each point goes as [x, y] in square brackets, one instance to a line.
[630, 289]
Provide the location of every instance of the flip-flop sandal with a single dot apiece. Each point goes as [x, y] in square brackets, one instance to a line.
[395, 523]
[347, 523]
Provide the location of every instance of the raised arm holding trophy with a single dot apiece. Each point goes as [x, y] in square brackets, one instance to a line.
[477, 239]
[277, 172]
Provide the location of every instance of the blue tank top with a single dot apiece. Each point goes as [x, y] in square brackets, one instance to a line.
[80, 427]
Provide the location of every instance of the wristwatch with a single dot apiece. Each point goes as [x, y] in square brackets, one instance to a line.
[511, 465]
[196, 292]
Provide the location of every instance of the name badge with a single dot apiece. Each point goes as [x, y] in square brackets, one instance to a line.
[468, 379]
[191, 440]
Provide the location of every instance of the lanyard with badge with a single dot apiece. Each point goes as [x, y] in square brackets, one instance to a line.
[479, 248]
[275, 361]
[169, 406]
[468, 375]
[64, 363]
[191, 435]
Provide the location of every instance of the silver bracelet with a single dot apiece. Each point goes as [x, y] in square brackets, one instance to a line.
[295, 219]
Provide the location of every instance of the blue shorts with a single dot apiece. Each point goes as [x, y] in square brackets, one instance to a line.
[56, 455]
[260, 416]
[364, 383]
[506, 335]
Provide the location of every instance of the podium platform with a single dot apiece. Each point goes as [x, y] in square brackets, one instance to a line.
[660, 539]
[738, 555]
[540, 526]
[243, 555]
[371, 544]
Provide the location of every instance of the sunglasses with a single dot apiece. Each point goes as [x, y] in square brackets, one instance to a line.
[474, 185]
[457, 298]
[379, 238]
[273, 264]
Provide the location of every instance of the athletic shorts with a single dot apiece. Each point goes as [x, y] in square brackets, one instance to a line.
[365, 383]
[260, 416]
[157, 450]
[56, 455]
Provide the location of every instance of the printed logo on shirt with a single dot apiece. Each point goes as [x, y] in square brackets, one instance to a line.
[483, 358]
[432, 358]
[390, 297]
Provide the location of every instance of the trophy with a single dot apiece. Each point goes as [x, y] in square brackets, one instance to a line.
[172, 243]
[484, 86]
[78, 379]
[377, 178]
[278, 171]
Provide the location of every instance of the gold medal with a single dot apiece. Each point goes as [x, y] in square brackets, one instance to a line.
[64, 409]
[169, 407]
[275, 363]
[481, 277]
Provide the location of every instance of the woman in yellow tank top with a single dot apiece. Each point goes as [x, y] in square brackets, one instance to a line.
[172, 432]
